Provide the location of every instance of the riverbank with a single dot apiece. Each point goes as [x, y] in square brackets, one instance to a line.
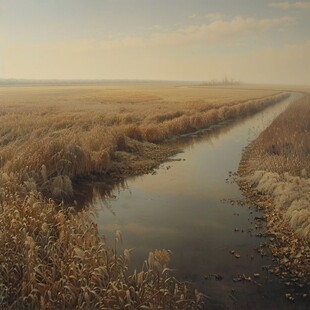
[274, 175]
[137, 155]
[53, 257]
[182, 206]
[65, 133]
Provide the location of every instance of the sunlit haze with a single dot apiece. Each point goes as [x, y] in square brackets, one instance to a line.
[199, 40]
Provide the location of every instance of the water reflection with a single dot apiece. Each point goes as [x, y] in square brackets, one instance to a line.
[99, 190]
[180, 208]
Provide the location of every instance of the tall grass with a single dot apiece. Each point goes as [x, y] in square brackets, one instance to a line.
[275, 172]
[67, 145]
[285, 145]
[279, 165]
[52, 256]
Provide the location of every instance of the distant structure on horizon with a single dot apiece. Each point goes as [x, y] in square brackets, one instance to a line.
[225, 82]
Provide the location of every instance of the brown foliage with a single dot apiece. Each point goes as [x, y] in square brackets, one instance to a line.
[52, 257]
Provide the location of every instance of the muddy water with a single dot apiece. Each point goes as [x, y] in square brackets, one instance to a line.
[182, 208]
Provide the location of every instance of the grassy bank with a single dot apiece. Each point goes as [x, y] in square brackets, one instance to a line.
[275, 171]
[51, 136]
[51, 256]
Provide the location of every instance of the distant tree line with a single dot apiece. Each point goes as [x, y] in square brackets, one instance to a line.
[225, 81]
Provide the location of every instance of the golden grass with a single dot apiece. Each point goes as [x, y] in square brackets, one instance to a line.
[275, 174]
[70, 131]
[278, 164]
[285, 145]
[282, 154]
[51, 256]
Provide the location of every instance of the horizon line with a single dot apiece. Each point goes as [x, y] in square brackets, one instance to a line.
[217, 82]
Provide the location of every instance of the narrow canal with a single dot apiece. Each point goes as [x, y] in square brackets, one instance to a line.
[183, 207]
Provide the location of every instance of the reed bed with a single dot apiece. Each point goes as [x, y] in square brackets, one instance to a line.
[275, 175]
[287, 142]
[47, 147]
[280, 165]
[52, 256]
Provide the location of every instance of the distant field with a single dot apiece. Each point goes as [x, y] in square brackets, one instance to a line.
[71, 131]
[49, 136]
[101, 97]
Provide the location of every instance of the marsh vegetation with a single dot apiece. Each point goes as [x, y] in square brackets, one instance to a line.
[50, 136]
[275, 175]
[51, 255]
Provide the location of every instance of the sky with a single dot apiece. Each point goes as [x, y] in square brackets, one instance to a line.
[192, 40]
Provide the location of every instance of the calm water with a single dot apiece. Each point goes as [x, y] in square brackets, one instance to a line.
[181, 208]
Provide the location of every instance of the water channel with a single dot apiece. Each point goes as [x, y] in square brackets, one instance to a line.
[182, 207]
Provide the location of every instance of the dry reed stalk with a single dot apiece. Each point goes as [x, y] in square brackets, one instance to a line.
[275, 175]
[52, 257]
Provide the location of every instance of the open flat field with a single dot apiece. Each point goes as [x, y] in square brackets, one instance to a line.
[107, 95]
[50, 135]
[154, 155]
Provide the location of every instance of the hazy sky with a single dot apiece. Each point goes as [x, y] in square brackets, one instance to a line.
[250, 40]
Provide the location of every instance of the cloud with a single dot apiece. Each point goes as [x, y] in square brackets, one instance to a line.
[215, 16]
[193, 16]
[303, 5]
[289, 64]
[220, 29]
[212, 16]
[157, 27]
[217, 30]
[179, 54]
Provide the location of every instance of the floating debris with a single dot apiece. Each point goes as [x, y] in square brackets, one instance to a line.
[290, 297]
[215, 276]
[218, 277]
[242, 277]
